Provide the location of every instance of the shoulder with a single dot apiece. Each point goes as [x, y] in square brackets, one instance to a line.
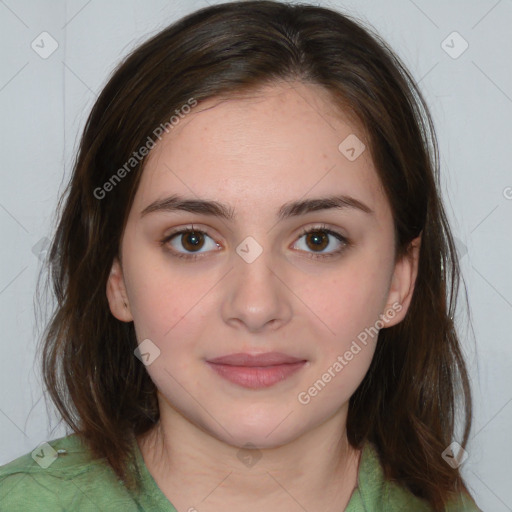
[384, 495]
[464, 503]
[60, 475]
[401, 499]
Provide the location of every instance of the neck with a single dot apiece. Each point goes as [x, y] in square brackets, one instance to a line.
[317, 470]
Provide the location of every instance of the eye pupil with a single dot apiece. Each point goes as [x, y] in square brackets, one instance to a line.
[317, 239]
[194, 238]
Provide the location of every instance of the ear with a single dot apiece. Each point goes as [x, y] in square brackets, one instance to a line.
[402, 284]
[116, 293]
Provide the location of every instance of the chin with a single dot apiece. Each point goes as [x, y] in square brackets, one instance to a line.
[269, 432]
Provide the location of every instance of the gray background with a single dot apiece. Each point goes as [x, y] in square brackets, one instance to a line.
[44, 103]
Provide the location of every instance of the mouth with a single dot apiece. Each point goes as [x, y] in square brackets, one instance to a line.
[256, 371]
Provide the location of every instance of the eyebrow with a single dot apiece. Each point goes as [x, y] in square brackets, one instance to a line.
[291, 209]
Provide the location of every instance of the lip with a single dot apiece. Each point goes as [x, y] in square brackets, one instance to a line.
[266, 359]
[256, 371]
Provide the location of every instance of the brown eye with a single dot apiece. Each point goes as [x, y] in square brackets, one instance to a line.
[317, 239]
[187, 243]
[192, 240]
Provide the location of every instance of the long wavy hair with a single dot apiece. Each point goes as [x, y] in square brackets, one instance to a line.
[407, 404]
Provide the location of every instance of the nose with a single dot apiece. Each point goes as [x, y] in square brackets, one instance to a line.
[256, 296]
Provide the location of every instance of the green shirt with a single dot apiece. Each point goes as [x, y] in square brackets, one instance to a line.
[75, 482]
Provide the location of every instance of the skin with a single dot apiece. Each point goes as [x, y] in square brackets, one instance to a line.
[255, 154]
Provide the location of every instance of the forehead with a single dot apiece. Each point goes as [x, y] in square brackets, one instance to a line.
[278, 143]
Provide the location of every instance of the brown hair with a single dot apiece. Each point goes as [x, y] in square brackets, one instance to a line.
[406, 404]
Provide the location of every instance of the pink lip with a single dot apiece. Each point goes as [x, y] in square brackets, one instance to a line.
[258, 371]
[266, 359]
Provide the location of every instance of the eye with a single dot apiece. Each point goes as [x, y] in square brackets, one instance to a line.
[190, 239]
[318, 238]
[193, 240]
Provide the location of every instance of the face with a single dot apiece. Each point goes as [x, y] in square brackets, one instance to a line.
[253, 282]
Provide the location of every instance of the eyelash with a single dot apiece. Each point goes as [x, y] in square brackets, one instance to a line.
[316, 229]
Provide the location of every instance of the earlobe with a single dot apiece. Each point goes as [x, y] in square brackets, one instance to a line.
[116, 293]
[403, 283]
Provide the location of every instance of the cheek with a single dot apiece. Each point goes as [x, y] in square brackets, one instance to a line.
[348, 301]
[170, 307]
[164, 315]
[349, 306]
[334, 383]
[161, 292]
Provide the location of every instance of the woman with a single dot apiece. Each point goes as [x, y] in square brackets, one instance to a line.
[252, 268]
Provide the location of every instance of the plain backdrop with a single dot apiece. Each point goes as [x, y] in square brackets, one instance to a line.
[44, 101]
